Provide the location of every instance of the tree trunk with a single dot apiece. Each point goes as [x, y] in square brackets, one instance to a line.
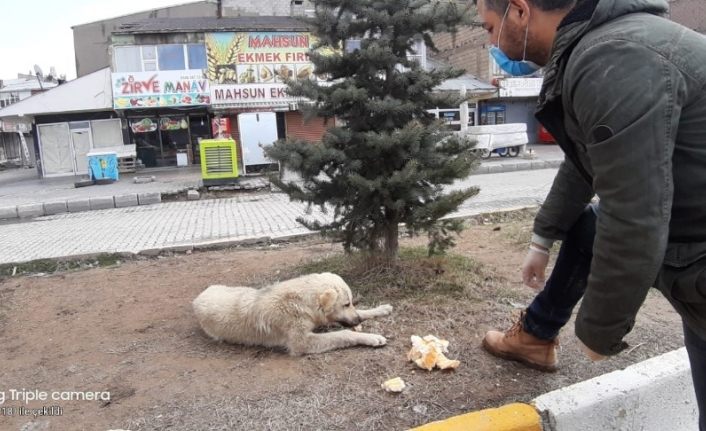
[392, 244]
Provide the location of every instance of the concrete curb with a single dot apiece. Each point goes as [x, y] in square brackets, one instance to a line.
[513, 166]
[74, 205]
[653, 395]
[512, 417]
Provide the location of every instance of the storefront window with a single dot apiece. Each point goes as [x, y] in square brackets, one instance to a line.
[171, 57]
[144, 135]
[127, 59]
[175, 138]
[159, 57]
[200, 127]
[149, 58]
[165, 141]
[197, 56]
[492, 114]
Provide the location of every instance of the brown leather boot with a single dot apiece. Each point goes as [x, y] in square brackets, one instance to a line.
[516, 344]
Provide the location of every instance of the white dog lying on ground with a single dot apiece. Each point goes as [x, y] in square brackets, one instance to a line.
[285, 314]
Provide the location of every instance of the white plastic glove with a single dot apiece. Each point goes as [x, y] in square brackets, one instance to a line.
[534, 267]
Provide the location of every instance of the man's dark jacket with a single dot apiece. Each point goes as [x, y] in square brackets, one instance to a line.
[624, 94]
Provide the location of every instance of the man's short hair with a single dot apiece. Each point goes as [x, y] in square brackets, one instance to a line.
[546, 5]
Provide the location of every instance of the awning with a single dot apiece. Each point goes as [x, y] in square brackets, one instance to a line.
[89, 93]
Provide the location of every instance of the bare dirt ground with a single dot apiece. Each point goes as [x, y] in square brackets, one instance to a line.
[130, 330]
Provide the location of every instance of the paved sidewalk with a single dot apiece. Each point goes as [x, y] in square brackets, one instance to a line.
[200, 223]
[22, 186]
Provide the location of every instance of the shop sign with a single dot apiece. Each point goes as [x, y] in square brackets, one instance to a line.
[520, 87]
[160, 89]
[252, 66]
[176, 123]
[15, 126]
[252, 93]
[144, 125]
[221, 127]
[493, 108]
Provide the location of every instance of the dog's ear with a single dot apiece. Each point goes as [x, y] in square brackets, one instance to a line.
[327, 299]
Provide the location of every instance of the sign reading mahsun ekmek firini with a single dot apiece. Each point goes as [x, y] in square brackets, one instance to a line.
[251, 67]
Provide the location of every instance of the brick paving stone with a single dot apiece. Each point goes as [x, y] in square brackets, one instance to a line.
[195, 223]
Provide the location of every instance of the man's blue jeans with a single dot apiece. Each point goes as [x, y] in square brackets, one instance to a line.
[551, 309]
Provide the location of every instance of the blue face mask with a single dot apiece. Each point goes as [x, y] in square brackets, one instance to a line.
[513, 67]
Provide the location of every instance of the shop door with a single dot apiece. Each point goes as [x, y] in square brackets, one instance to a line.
[257, 130]
[81, 140]
[57, 155]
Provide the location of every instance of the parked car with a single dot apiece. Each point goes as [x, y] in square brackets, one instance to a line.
[545, 137]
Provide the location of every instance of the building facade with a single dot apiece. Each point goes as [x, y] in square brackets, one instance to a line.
[16, 142]
[170, 82]
[514, 100]
[177, 81]
[235, 8]
[66, 123]
[92, 40]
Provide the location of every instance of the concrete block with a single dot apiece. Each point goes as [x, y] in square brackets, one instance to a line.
[219, 244]
[8, 213]
[539, 164]
[192, 195]
[78, 205]
[144, 180]
[129, 200]
[495, 169]
[102, 203]
[481, 170]
[653, 395]
[30, 210]
[510, 167]
[51, 208]
[180, 248]
[149, 198]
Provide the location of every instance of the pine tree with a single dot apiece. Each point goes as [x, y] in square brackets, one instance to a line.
[387, 159]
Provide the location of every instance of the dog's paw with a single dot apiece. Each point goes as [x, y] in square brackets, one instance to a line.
[385, 310]
[375, 340]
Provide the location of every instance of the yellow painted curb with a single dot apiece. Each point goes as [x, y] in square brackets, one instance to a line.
[512, 417]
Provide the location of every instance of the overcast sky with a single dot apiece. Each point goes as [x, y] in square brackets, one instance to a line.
[39, 31]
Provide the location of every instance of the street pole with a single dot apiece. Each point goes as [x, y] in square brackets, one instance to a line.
[463, 114]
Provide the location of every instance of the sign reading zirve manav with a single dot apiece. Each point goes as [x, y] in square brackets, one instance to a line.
[160, 89]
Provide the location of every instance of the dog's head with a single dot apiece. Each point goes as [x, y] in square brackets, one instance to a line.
[336, 302]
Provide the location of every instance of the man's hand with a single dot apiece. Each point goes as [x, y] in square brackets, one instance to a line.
[590, 353]
[534, 267]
